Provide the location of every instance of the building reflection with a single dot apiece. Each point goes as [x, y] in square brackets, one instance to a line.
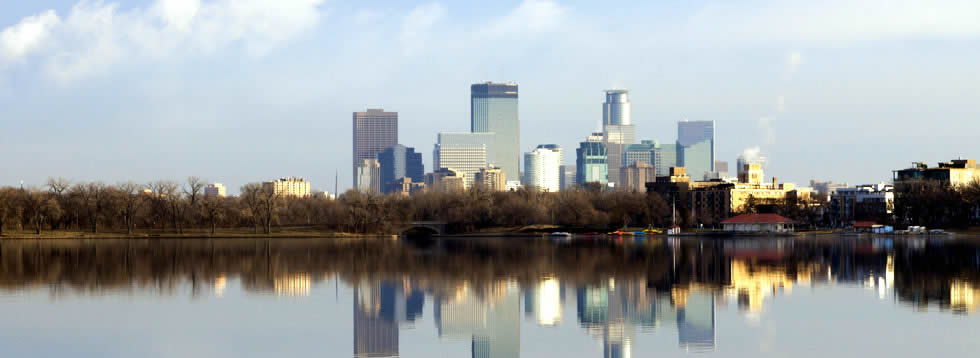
[379, 308]
[543, 301]
[964, 297]
[292, 285]
[489, 317]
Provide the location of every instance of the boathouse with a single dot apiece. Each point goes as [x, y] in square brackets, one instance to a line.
[758, 223]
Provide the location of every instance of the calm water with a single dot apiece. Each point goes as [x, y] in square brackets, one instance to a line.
[840, 297]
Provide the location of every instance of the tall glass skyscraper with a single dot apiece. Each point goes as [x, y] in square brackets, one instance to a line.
[493, 108]
[696, 147]
[591, 161]
[617, 127]
[400, 162]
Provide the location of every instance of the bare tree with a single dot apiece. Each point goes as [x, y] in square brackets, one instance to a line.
[169, 192]
[60, 188]
[130, 199]
[8, 205]
[213, 209]
[95, 200]
[40, 207]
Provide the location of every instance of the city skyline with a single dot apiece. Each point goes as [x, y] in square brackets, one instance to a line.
[197, 105]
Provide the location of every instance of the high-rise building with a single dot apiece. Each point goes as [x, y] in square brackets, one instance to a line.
[618, 129]
[464, 153]
[697, 159]
[399, 162]
[591, 161]
[646, 152]
[374, 130]
[617, 110]
[491, 178]
[215, 190]
[567, 176]
[696, 147]
[289, 187]
[666, 158]
[494, 109]
[541, 168]
[635, 176]
[368, 176]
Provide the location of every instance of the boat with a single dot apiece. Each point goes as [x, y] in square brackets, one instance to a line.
[650, 230]
[561, 234]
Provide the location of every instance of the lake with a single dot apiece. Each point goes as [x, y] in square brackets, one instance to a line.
[490, 297]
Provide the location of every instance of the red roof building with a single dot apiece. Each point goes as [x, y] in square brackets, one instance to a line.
[758, 223]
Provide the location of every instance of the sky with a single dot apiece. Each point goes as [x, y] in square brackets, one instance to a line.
[238, 91]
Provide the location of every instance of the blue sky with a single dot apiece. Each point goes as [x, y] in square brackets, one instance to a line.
[238, 91]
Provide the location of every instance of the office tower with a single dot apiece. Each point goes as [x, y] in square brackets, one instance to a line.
[491, 178]
[215, 190]
[493, 109]
[591, 161]
[666, 158]
[374, 131]
[697, 159]
[288, 187]
[617, 110]
[541, 168]
[618, 129]
[488, 139]
[399, 162]
[567, 176]
[645, 152]
[635, 176]
[696, 147]
[464, 153]
[368, 176]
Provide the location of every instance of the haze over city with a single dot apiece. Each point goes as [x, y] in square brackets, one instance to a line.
[238, 92]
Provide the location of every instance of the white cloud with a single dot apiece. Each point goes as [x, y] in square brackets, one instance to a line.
[530, 17]
[19, 40]
[416, 25]
[96, 35]
[833, 22]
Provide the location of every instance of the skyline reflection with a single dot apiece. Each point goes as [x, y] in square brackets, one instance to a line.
[623, 294]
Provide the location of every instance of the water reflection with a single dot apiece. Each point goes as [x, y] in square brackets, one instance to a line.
[621, 292]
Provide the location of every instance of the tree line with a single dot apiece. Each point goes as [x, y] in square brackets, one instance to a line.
[937, 204]
[168, 206]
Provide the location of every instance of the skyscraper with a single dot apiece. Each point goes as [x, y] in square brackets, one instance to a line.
[567, 176]
[591, 161]
[493, 108]
[374, 130]
[541, 168]
[696, 158]
[666, 158]
[367, 176]
[618, 129]
[464, 153]
[696, 147]
[399, 162]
